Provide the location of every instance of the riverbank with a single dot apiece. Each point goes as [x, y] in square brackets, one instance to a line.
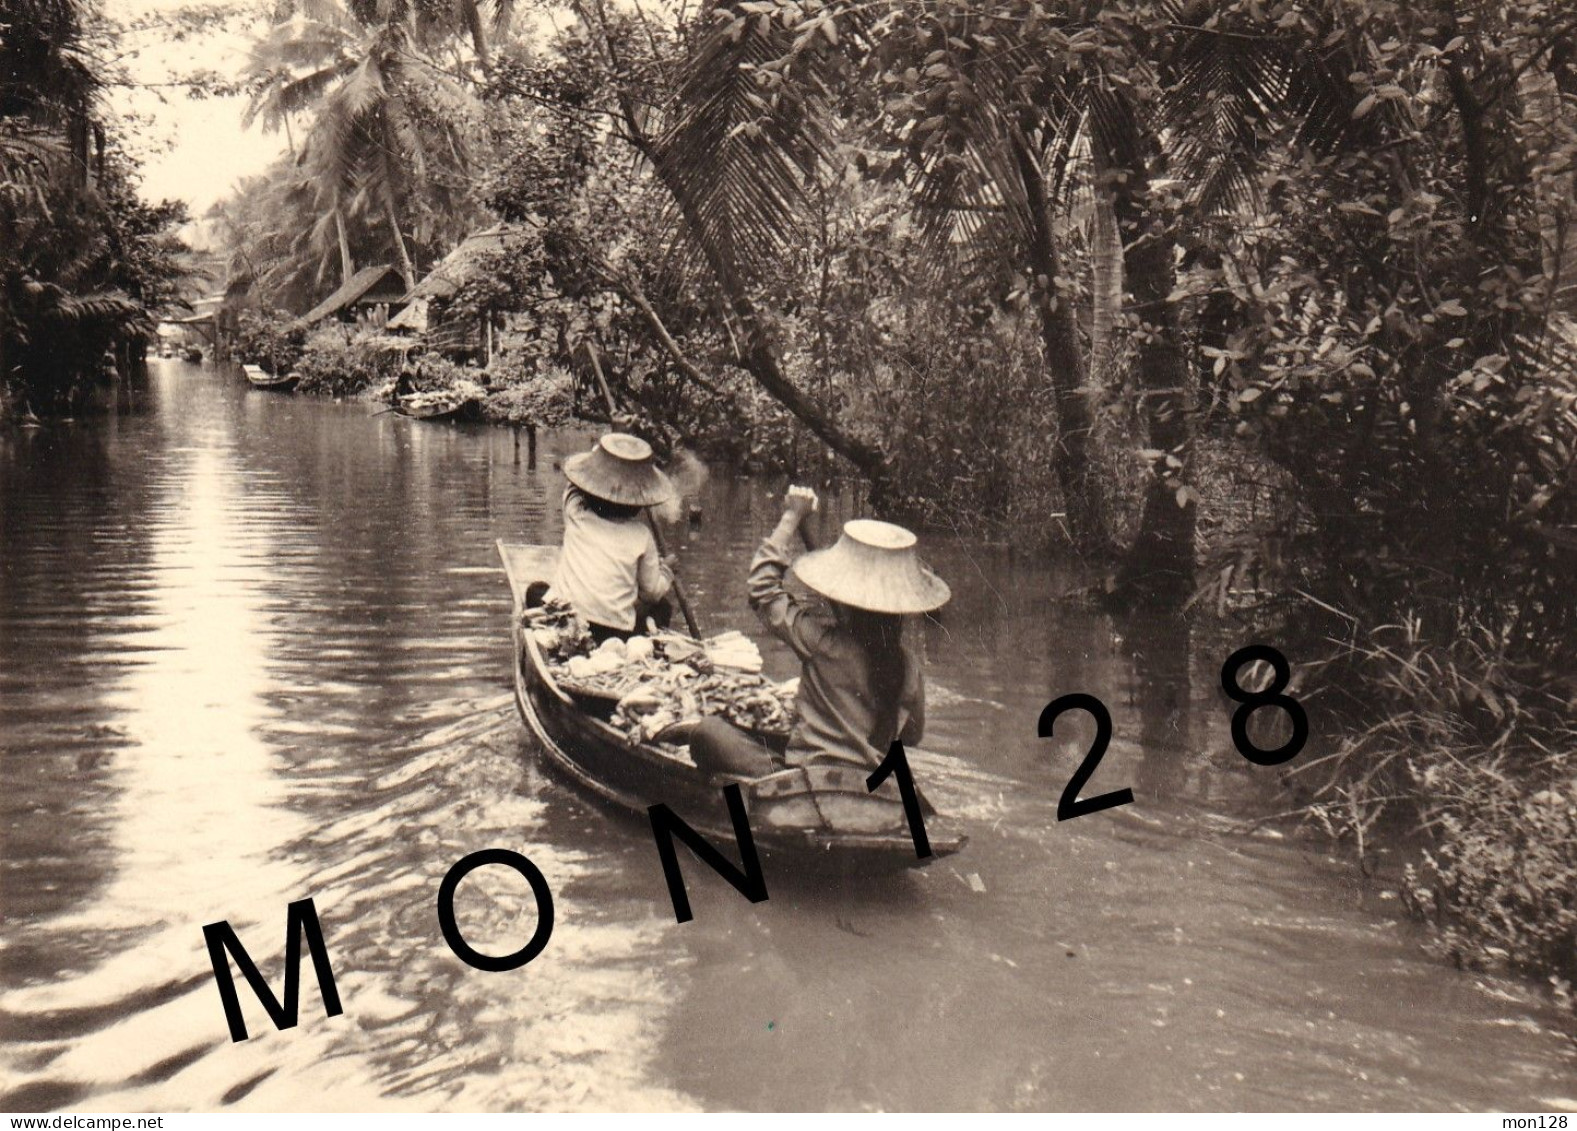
[1475, 758]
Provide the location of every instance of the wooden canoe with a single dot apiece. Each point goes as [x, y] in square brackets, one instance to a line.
[262, 379]
[417, 408]
[821, 810]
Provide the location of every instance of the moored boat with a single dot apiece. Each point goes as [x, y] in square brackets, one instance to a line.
[434, 406]
[823, 810]
[262, 379]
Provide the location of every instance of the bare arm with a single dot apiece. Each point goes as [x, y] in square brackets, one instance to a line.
[653, 577]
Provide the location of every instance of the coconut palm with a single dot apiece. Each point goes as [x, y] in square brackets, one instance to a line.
[389, 137]
[990, 143]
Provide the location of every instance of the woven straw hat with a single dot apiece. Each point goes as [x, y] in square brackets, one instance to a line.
[874, 566]
[620, 469]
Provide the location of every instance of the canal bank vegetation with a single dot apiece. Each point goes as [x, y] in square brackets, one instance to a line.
[1263, 308]
[85, 264]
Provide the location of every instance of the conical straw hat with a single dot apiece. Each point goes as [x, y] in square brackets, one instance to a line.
[874, 566]
[620, 469]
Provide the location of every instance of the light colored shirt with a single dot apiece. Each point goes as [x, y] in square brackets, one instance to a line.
[836, 712]
[607, 566]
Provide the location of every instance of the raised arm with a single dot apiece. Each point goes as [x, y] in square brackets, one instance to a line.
[782, 615]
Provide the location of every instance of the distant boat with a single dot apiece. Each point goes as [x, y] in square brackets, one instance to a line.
[435, 406]
[261, 379]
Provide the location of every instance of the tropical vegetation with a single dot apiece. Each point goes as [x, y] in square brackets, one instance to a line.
[85, 263]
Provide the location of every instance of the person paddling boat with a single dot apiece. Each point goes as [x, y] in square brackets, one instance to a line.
[861, 684]
[610, 570]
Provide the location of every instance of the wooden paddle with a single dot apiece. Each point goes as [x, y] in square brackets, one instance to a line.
[657, 533]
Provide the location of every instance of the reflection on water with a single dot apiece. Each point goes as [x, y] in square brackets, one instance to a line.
[253, 648]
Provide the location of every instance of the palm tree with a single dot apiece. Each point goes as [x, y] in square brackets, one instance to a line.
[390, 134]
[281, 238]
[625, 73]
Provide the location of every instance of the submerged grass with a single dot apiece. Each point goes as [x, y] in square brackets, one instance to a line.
[1480, 756]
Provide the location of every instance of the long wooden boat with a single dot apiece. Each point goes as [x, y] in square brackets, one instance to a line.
[262, 379]
[821, 810]
[418, 407]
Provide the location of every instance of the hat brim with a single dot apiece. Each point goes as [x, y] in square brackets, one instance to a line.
[899, 592]
[642, 487]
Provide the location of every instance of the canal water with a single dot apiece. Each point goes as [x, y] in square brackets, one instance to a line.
[253, 648]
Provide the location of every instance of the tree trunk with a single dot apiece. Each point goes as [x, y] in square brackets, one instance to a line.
[758, 354]
[1106, 269]
[1158, 568]
[347, 265]
[407, 268]
[1544, 109]
[755, 351]
[634, 293]
[1087, 519]
[473, 23]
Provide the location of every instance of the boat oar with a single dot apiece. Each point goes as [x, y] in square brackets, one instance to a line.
[657, 532]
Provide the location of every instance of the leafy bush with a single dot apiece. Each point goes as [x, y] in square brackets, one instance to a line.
[434, 373]
[1480, 752]
[81, 271]
[1498, 884]
[540, 399]
[272, 339]
[338, 363]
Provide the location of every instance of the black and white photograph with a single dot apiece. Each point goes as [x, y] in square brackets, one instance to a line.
[760, 556]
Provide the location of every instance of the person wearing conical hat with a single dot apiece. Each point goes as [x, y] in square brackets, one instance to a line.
[861, 684]
[609, 569]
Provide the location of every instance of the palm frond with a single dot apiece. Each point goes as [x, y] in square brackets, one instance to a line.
[29, 159]
[1221, 95]
[741, 148]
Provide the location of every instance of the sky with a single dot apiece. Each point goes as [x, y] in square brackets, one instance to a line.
[193, 150]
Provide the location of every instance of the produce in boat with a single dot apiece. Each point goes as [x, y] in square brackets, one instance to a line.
[663, 680]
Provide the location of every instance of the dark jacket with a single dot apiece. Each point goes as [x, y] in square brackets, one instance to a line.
[835, 707]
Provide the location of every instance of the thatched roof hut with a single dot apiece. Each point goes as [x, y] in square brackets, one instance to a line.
[371, 286]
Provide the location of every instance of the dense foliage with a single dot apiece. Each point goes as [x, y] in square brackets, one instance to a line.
[335, 362]
[83, 261]
[271, 339]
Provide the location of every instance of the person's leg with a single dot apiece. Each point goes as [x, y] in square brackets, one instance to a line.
[660, 613]
[601, 632]
[719, 747]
